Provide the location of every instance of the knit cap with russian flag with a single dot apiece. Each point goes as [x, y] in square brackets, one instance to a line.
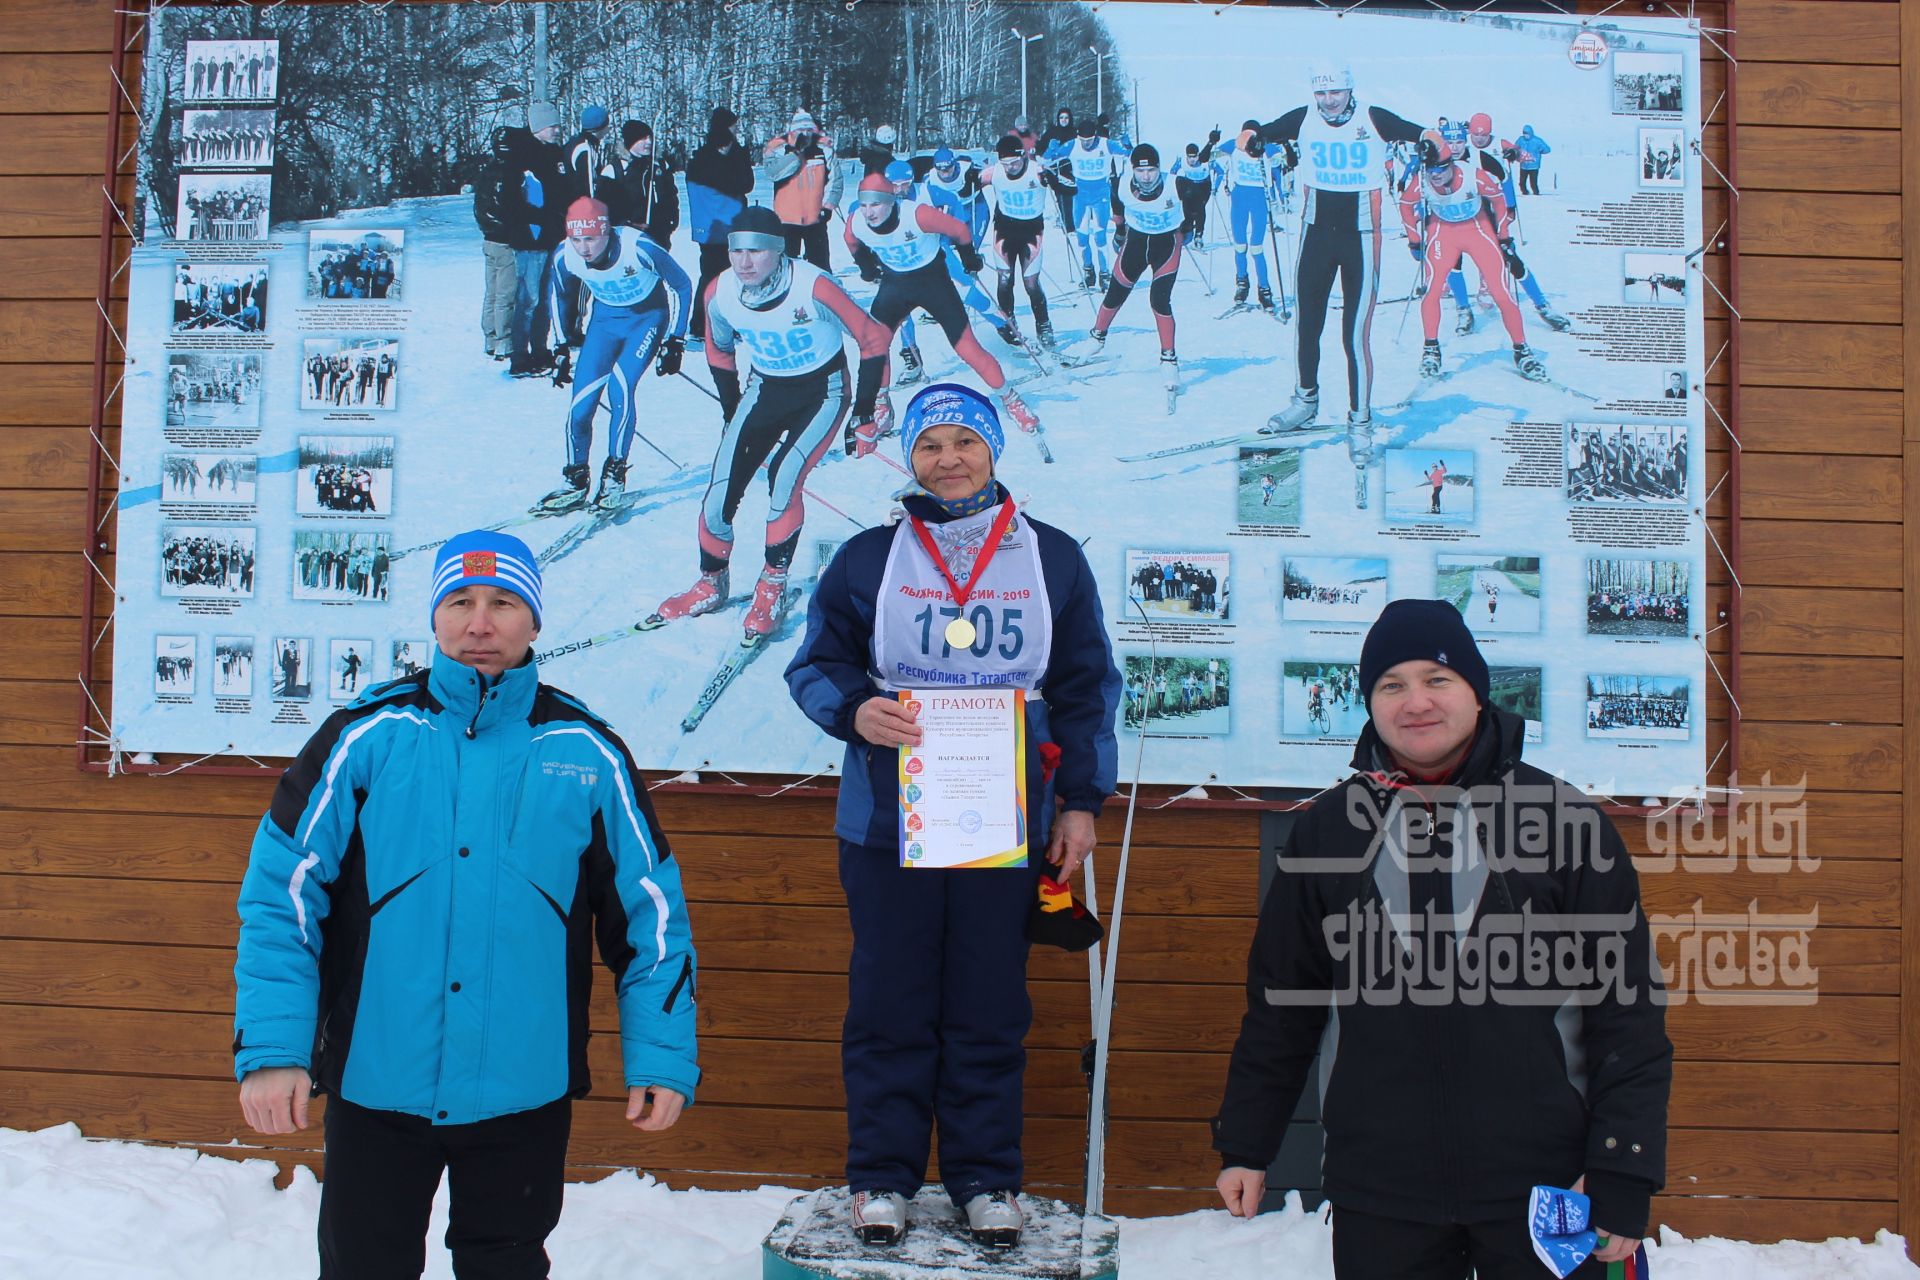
[485, 558]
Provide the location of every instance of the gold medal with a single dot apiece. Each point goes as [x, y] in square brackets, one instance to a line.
[960, 634]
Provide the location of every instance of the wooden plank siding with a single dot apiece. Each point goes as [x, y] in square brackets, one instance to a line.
[116, 895]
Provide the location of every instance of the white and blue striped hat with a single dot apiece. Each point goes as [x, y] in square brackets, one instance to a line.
[484, 557]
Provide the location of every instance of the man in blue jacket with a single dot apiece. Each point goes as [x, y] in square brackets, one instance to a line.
[416, 928]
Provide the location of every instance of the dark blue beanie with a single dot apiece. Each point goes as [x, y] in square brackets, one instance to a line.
[1421, 631]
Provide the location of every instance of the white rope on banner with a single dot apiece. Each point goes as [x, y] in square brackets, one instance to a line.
[105, 453]
[1731, 573]
[105, 626]
[1731, 309]
[107, 739]
[1715, 668]
[110, 326]
[1725, 181]
[188, 764]
[1718, 417]
[691, 776]
[1713, 363]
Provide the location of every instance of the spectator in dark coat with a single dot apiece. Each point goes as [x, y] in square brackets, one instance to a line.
[643, 195]
[719, 180]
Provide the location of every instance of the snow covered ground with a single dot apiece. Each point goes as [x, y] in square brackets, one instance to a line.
[71, 1209]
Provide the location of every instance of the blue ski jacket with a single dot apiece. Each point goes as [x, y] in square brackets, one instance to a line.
[1074, 707]
[420, 908]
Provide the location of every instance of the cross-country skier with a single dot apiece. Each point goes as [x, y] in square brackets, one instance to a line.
[1341, 150]
[899, 244]
[1247, 176]
[793, 321]
[972, 292]
[1193, 183]
[1016, 202]
[1450, 214]
[1151, 219]
[956, 175]
[1497, 160]
[1093, 162]
[640, 300]
[1437, 477]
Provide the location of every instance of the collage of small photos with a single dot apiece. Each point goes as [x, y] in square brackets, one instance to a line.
[222, 332]
[1183, 686]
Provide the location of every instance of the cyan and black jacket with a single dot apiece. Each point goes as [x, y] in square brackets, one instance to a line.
[1446, 1093]
[420, 908]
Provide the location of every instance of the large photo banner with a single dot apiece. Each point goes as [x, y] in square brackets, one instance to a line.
[1289, 314]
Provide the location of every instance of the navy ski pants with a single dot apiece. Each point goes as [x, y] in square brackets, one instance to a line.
[937, 1011]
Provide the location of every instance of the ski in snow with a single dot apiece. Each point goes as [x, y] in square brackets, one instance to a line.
[736, 661]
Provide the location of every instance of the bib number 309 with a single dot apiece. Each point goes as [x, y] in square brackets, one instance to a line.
[993, 629]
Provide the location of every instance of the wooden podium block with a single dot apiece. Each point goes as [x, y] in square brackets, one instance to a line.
[813, 1238]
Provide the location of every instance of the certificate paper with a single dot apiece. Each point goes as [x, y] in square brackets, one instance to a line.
[963, 790]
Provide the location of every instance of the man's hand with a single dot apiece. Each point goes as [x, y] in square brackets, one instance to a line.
[886, 722]
[563, 367]
[1612, 1248]
[970, 260]
[1242, 1189]
[1416, 248]
[1073, 839]
[653, 1107]
[274, 1099]
[672, 351]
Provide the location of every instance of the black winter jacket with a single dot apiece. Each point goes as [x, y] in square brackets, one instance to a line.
[1451, 1109]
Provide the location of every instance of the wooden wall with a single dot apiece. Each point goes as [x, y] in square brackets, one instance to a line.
[116, 895]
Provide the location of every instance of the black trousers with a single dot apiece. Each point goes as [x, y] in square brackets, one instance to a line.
[1368, 1247]
[713, 260]
[809, 242]
[383, 1167]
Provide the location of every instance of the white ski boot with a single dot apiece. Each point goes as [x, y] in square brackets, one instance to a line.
[1170, 374]
[879, 1217]
[911, 368]
[1430, 360]
[1297, 416]
[995, 1219]
[613, 486]
[1362, 451]
[1463, 320]
[1553, 319]
[571, 496]
[1529, 363]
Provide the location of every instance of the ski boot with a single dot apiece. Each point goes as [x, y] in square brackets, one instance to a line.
[1297, 416]
[763, 613]
[994, 1219]
[570, 496]
[1553, 319]
[1088, 279]
[1266, 299]
[1430, 359]
[1170, 374]
[1010, 334]
[862, 438]
[1463, 320]
[1528, 362]
[612, 492]
[1099, 337]
[1362, 451]
[1043, 334]
[879, 1217]
[911, 369]
[1106, 281]
[1240, 287]
[1016, 408]
[883, 415]
[704, 596]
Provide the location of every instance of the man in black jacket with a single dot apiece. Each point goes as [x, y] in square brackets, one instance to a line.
[719, 180]
[489, 211]
[1459, 936]
[643, 195]
[534, 201]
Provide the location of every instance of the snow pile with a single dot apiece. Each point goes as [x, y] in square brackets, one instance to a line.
[71, 1209]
